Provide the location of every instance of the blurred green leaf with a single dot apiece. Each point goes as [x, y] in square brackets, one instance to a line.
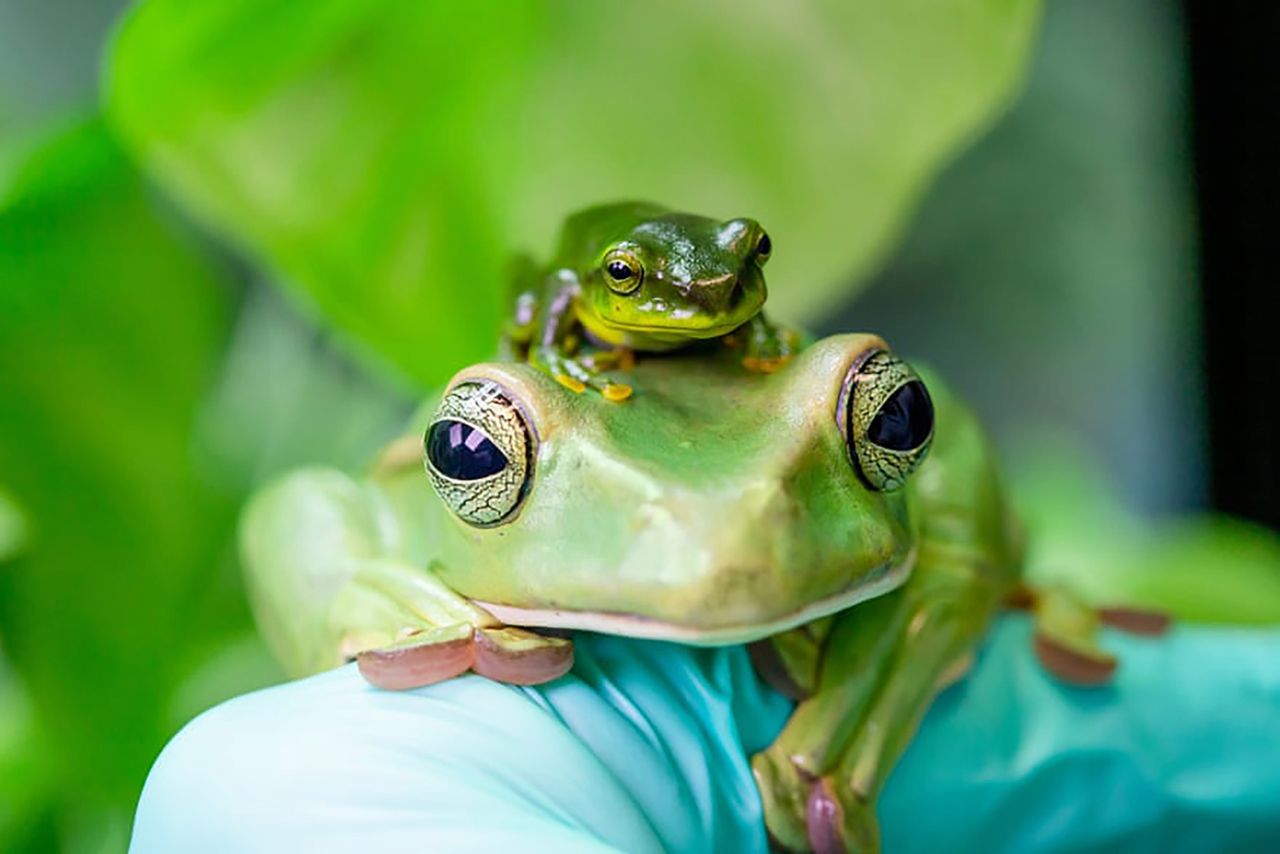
[288, 397]
[13, 527]
[384, 157]
[110, 328]
[24, 785]
[1200, 568]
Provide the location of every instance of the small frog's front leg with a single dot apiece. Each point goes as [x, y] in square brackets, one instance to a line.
[524, 295]
[885, 661]
[768, 346]
[559, 341]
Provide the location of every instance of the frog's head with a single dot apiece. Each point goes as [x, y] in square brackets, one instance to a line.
[642, 268]
[716, 506]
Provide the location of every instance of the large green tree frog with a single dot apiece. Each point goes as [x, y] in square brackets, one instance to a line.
[842, 514]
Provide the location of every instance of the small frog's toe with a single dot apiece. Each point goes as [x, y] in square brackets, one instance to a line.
[521, 657]
[1136, 621]
[616, 392]
[1077, 664]
[574, 384]
[419, 659]
[765, 364]
[611, 391]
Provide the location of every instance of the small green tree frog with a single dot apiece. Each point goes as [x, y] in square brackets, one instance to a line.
[635, 276]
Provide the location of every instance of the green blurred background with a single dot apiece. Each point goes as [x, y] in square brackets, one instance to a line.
[238, 237]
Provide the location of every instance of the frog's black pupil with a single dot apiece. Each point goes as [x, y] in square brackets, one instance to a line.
[462, 452]
[619, 270]
[905, 420]
[764, 246]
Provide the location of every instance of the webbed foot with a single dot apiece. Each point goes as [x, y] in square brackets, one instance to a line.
[578, 375]
[1066, 633]
[505, 654]
[769, 347]
[784, 794]
[803, 813]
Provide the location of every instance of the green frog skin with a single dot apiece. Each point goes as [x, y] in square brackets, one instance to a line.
[853, 532]
[634, 276]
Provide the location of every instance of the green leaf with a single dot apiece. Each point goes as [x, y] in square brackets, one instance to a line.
[1202, 568]
[110, 329]
[384, 157]
[13, 527]
[24, 787]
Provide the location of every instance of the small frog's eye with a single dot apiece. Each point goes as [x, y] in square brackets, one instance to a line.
[622, 271]
[887, 418]
[479, 453]
[764, 248]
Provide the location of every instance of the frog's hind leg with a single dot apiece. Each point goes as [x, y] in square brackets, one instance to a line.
[886, 659]
[1066, 636]
[769, 346]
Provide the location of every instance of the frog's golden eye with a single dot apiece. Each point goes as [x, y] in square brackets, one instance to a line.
[622, 271]
[764, 248]
[887, 418]
[479, 453]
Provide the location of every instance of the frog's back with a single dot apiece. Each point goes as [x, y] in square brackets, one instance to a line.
[587, 232]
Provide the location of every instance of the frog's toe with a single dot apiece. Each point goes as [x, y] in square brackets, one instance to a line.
[503, 654]
[616, 392]
[521, 657]
[783, 794]
[765, 364]
[838, 825]
[574, 384]
[1136, 621]
[422, 658]
[1073, 663]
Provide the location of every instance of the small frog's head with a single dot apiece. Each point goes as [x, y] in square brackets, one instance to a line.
[645, 270]
[716, 506]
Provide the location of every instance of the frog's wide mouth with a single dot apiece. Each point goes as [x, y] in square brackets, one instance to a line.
[692, 328]
[885, 579]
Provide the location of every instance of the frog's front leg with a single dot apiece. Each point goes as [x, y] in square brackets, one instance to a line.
[885, 661]
[524, 293]
[769, 346]
[558, 345]
[325, 589]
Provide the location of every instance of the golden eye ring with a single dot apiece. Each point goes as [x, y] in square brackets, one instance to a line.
[764, 248]
[478, 451]
[887, 420]
[622, 271]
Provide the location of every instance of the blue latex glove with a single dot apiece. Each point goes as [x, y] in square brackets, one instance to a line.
[645, 747]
